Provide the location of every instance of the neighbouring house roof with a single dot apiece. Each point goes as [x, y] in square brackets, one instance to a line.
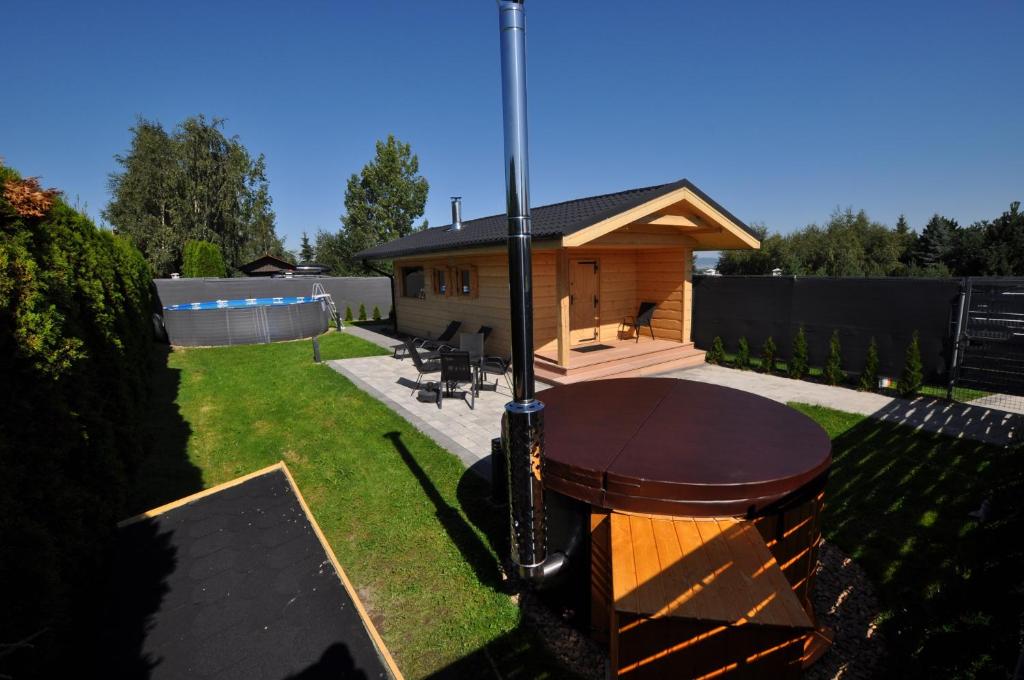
[267, 264]
[549, 222]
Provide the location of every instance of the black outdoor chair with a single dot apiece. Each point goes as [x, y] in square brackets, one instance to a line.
[643, 317]
[456, 369]
[442, 342]
[424, 366]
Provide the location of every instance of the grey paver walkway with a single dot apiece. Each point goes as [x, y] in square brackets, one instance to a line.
[972, 421]
[466, 433]
[378, 339]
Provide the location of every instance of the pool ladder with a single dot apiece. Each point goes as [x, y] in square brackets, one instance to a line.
[320, 294]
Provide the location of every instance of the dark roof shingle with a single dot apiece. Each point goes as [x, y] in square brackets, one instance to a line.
[548, 221]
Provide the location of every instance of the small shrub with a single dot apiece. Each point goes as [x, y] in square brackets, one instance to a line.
[376, 313]
[869, 376]
[743, 355]
[768, 354]
[202, 258]
[362, 312]
[798, 358]
[910, 382]
[715, 355]
[833, 371]
[348, 314]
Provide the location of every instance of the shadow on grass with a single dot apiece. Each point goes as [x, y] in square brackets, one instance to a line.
[900, 502]
[143, 557]
[473, 549]
[166, 473]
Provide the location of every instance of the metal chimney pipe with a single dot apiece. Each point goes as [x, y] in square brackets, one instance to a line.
[456, 213]
[523, 421]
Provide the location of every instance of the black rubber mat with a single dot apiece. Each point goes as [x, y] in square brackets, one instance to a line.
[591, 348]
[235, 585]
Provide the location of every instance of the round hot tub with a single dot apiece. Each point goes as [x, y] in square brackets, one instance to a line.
[245, 322]
[664, 446]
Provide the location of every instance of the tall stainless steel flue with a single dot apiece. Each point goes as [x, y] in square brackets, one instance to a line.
[523, 422]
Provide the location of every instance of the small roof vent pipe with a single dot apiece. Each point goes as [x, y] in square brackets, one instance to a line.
[456, 213]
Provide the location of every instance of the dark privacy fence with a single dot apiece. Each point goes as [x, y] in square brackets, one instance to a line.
[348, 291]
[887, 309]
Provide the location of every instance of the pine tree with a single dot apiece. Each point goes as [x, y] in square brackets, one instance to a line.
[768, 354]
[376, 313]
[798, 358]
[910, 382]
[362, 312]
[306, 253]
[348, 314]
[715, 355]
[833, 371]
[743, 355]
[869, 376]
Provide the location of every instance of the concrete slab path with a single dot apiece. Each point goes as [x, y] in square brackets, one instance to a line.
[466, 433]
[971, 421]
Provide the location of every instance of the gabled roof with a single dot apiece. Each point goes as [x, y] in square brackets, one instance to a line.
[267, 263]
[549, 222]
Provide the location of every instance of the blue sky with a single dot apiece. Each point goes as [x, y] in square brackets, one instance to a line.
[780, 111]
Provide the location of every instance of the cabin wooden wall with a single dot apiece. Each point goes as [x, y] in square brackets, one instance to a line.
[664, 277]
[627, 277]
[429, 316]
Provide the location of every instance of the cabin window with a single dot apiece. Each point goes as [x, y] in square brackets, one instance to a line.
[412, 282]
[467, 281]
[440, 278]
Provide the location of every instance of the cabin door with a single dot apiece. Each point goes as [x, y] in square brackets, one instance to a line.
[584, 315]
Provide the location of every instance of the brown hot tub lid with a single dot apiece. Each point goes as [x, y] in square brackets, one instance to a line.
[671, 446]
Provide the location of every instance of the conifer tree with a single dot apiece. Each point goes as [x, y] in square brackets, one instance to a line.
[376, 313]
[348, 314]
[768, 354]
[798, 358]
[910, 382]
[869, 376]
[833, 371]
[743, 355]
[716, 354]
[362, 312]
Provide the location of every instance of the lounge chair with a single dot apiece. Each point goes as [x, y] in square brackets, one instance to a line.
[643, 317]
[442, 342]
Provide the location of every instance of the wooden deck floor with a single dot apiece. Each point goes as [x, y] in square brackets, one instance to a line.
[622, 359]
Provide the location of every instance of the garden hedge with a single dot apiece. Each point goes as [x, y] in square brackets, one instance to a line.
[75, 348]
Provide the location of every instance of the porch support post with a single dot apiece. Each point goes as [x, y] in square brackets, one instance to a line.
[562, 297]
[687, 318]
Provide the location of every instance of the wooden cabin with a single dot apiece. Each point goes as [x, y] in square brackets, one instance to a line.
[595, 260]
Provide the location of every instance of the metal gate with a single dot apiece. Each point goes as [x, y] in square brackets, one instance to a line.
[988, 357]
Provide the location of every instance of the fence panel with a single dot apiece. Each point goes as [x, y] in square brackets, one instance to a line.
[990, 347]
[887, 309]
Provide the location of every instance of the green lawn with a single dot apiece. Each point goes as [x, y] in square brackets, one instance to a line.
[951, 589]
[407, 522]
[412, 528]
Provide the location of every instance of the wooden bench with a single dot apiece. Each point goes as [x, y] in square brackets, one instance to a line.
[697, 597]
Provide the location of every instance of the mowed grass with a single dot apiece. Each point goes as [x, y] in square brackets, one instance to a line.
[951, 588]
[398, 510]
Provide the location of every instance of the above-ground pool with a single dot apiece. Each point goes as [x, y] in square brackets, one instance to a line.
[245, 322]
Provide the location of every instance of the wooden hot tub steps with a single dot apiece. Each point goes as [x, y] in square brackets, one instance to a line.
[700, 596]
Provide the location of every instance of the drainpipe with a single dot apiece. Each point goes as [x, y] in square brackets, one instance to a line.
[391, 277]
[523, 421]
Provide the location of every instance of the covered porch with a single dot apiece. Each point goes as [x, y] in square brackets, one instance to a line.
[589, 290]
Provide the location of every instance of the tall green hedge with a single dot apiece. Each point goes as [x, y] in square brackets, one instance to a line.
[202, 258]
[75, 346]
